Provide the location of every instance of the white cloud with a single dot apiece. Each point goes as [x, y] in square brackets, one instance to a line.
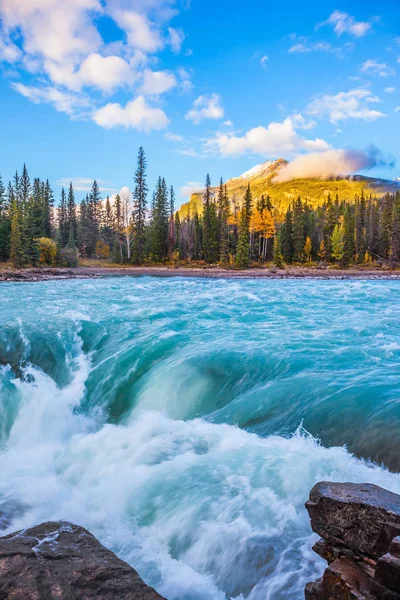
[136, 114]
[185, 82]
[176, 38]
[191, 187]
[345, 105]
[142, 33]
[374, 67]
[397, 109]
[345, 23]
[303, 46]
[276, 139]
[173, 137]
[331, 163]
[301, 123]
[106, 73]
[228, 123]
[264, 61]
[206, 107]
[60, 45]
[83, 184]
[9, 52]
[52, 29]
[65, 102]
[389, 90]
[157, 82]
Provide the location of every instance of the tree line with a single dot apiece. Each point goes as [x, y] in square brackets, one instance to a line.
[230, 231]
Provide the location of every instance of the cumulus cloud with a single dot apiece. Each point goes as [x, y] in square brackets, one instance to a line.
[176, 38]
[157, 82]
[9, 52]
[278, 138]
[374, 67]
[51, 29]
[142, 33]
[59, 44]
[84, 184]
[345, 23]
[332, 163]
[71, 104]
[191, 187]
[106, 73]
[136, 114]
[345, 105]
[206, 107]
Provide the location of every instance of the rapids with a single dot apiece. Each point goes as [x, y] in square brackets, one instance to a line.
[184, 422]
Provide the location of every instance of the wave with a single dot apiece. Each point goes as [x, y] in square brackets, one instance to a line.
[169, 428]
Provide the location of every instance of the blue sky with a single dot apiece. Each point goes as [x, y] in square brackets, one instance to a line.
[204, 86]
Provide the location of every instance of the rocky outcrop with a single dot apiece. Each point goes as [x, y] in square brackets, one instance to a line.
[61, 561]
[359, 525]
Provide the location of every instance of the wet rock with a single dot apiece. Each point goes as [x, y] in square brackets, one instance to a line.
[363, 517]
[65, 562]
[360, 529]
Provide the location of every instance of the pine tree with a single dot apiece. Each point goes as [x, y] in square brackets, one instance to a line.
[48, 211]
[223, 216]
[63, 220]
[298, 230]
[24, 186]
[139, 208]
[160, 218]
[395, 231]
[16, 249]
[385, 226]
[210, 226]
[71, 215]
[287, 237]
[278, 258]
[243, 250]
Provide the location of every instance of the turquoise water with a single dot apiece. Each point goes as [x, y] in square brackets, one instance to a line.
[185, 421]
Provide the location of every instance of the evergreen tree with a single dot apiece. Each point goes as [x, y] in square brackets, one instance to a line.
[348, 237]
[71, 216]
[298, 230]
[16, 250]
[243, 250]
[385, 226]
[160, 219]
[210, 225]
[287, 237]
[223, 216]
[278, 258]
[139, 208]
[63, 224]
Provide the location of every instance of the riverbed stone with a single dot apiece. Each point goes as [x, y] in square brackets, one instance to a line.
[62, 561]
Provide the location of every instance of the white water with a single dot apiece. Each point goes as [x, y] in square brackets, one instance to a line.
[203, 510]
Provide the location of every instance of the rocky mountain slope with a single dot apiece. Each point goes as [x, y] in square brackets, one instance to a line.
[264, 179]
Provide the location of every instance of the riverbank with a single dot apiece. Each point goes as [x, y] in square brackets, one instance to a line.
[290, 272]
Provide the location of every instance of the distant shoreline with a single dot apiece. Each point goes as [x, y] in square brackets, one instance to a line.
[47, 274]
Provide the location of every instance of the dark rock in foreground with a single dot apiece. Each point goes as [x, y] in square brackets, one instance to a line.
[65, 562]
[360, 527]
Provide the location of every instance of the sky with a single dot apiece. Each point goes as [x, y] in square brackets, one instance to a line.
[204, 86]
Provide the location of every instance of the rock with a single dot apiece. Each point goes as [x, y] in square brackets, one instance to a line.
[363, 517]
[65, 562]
[360, 529]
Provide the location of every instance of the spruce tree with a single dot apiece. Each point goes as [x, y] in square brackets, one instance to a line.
[71, 215]
[243, 249]
[298, 230]
[139, 208]
[223, 216]
[287, 237]
[63, 220]
[16, 249]
[210, 225]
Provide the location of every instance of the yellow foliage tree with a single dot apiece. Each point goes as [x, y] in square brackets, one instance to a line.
[47, 250]
[322, 250]
[307, 249]
[102, 249]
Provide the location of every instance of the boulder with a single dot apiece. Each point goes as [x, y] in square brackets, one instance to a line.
[360, 529]
[61, 561]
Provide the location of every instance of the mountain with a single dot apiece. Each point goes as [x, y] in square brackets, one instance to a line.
[263, 180]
